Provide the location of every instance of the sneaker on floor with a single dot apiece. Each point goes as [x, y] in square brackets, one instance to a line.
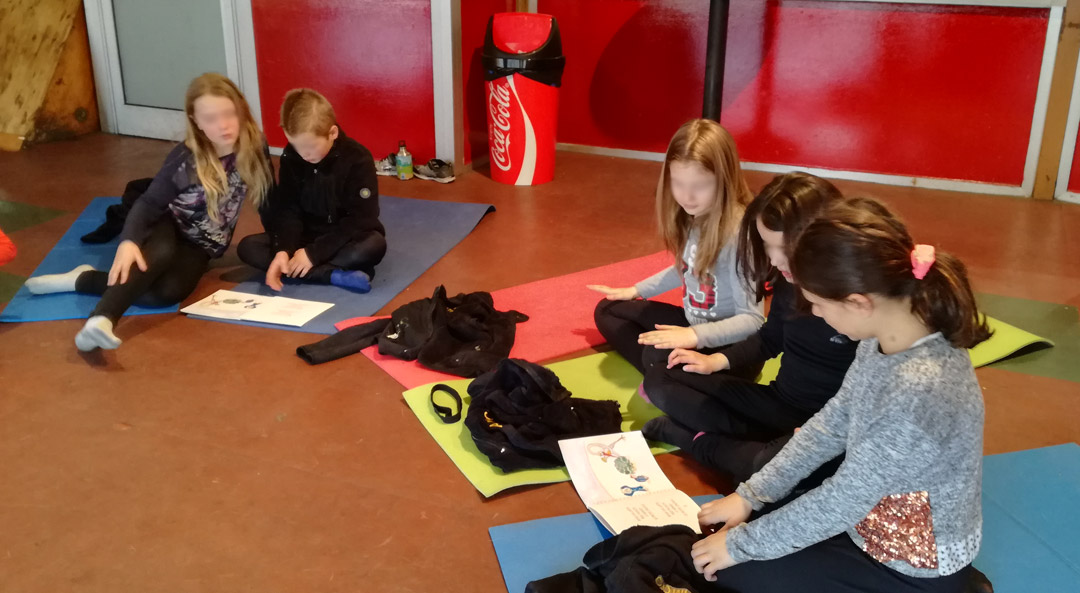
[387, 166]
[435, 170]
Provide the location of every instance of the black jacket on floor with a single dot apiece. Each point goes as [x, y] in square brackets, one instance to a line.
[638, 560]
[463, 335]
[321, 207]
[519, 412]
[116, 214]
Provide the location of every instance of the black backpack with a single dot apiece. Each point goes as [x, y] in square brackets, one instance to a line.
[519, 412]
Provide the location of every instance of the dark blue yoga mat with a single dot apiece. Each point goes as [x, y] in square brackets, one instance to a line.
[68, 253]
[418, 232]
[1031, 524]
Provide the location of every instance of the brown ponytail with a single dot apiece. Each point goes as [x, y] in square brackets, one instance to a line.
[859, 247]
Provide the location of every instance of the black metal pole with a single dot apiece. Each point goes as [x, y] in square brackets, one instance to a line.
[714, 59]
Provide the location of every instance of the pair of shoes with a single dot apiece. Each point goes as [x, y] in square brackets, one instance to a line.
[387, 166]
[435, 170]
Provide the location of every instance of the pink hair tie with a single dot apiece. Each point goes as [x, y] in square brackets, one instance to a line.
[922, 258]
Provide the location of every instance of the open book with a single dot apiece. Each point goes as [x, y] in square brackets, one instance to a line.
[618, 479]
[226, 304]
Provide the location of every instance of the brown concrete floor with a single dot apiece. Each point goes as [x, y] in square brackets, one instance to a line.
[207, 457]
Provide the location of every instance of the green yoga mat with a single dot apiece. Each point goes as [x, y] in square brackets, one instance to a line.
[1006, 341]
[608, 376]
[596, 376]
[1059, 325]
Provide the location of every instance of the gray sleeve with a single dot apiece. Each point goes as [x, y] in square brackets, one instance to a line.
[892, 450]
[659, 283]
[749, 312]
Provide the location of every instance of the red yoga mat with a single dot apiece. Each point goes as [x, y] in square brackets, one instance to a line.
[560, 314]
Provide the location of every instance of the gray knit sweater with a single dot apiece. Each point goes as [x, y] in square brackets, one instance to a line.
[908, 491]
[720, 310]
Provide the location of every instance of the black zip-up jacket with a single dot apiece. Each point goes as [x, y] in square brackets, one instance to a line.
[816, 356]
[321, 207]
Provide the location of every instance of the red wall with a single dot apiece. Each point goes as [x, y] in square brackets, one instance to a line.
[372, 60]
[1074, 173]
[929, 91]
[474, 18]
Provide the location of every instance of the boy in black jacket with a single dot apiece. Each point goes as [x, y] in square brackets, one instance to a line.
[322, 222]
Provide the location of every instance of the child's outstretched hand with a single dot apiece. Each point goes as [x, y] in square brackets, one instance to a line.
[668, 337]
[300, 264]
[711, 555]
[696, 362]
[730, 510]
[279, 266]
[615, 294]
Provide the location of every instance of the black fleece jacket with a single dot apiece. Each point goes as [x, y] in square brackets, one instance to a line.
[321, 207]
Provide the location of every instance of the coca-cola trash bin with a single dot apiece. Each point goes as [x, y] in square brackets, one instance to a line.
[523, 66]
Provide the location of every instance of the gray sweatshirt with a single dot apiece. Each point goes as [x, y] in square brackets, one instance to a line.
[720, 310]
[908, 491]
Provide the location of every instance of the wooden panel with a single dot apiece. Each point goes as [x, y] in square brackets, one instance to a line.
[34, 36]
[70, 107]
[1057, 111]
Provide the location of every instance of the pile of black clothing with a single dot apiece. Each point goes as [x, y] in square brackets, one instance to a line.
[520, 411]
[638, 560]
[463, 335]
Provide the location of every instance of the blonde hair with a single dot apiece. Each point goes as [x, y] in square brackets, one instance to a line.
[251, 161]
[706, 143]
[306, 110]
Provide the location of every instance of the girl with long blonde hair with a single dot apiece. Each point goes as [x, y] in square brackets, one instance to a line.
[184, 219]
[700, 201]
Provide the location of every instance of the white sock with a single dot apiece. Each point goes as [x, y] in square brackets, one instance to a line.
[51, 283]
[97, 333]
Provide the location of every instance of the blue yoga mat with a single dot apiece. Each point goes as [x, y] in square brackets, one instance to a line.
[68, 253]
[538, 549]
[418, 232]
[1030, 527]
[1031, 520]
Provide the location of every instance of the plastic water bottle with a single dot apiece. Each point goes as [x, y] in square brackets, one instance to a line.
[404, 162]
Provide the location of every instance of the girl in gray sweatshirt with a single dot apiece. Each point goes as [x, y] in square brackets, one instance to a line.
[902, 512]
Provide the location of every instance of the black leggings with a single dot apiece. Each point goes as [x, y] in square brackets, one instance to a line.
[173, 268]
[835, 565]
[362, 254]
[723, 403]
[621, 322]
[677, 392]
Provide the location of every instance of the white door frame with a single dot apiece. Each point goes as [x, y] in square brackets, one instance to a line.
[1068, 147]
[120, 118]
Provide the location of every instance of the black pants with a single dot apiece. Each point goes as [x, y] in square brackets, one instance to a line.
[173, 268]
[621, 322]
[688, 397]
[362, 254]
[723, 403]
[835, 565]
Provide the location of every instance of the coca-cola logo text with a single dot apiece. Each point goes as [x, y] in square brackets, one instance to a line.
[499, 109]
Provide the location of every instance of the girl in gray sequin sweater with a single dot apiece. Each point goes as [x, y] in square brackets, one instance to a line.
[908, 418]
